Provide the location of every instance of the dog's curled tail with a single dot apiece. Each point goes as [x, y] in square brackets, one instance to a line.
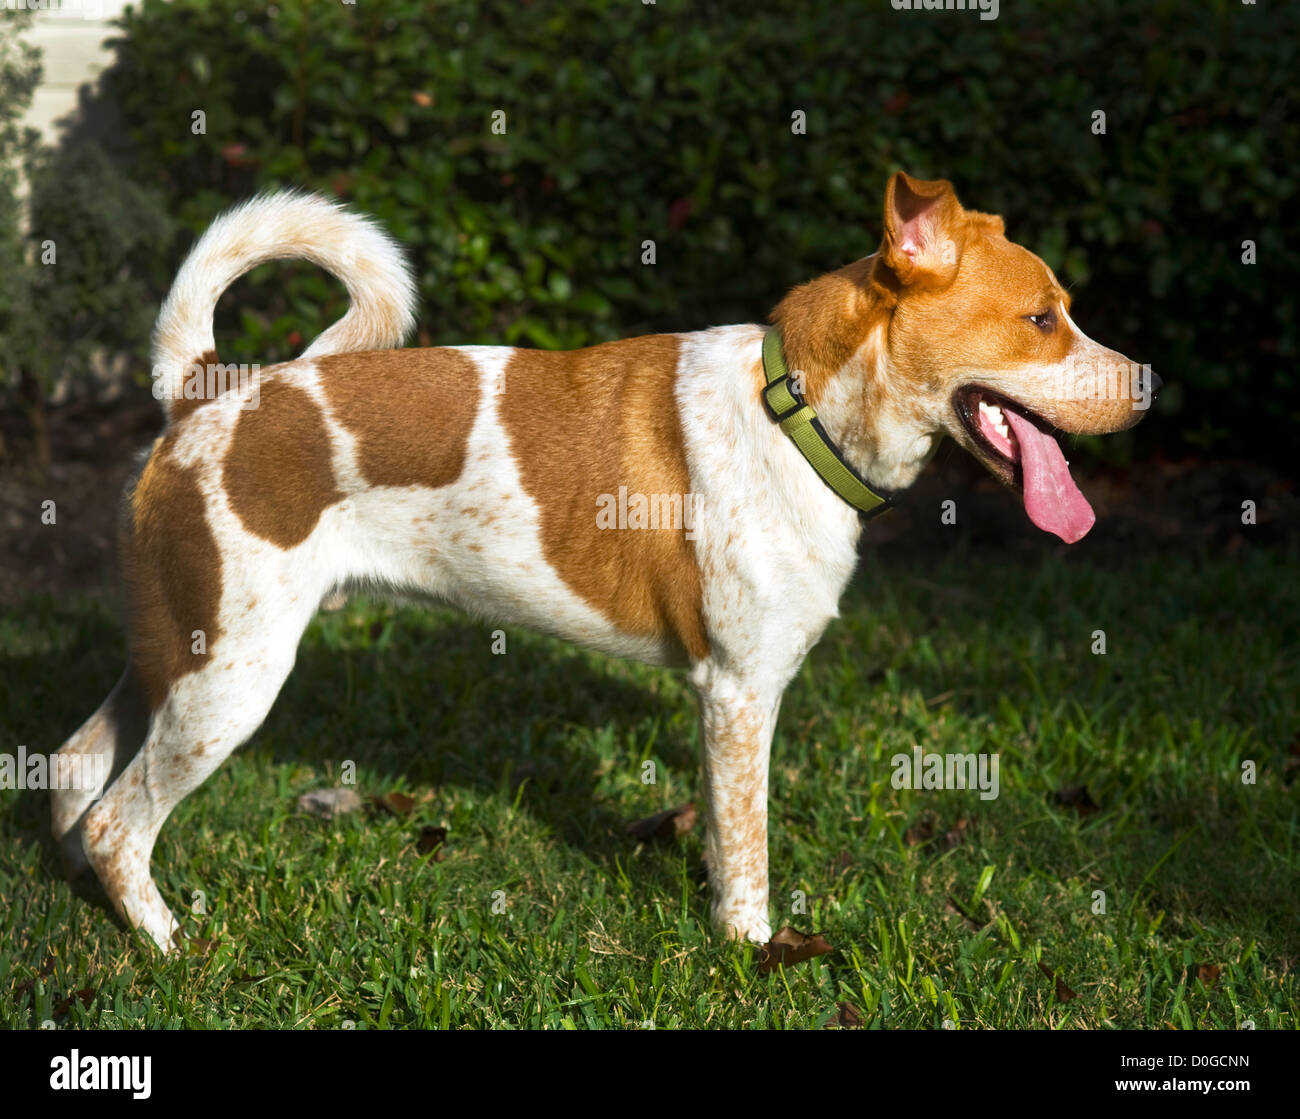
[286, 224]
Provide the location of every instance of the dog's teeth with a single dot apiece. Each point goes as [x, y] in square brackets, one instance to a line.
[996, 420]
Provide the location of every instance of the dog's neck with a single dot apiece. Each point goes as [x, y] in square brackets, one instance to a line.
[835, 332]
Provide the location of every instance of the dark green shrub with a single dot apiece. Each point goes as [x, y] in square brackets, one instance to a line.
[105, 232]
[672, 122]
[20, 72]
[81, 268]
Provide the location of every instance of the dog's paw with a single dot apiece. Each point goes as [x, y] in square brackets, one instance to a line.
[737, 925]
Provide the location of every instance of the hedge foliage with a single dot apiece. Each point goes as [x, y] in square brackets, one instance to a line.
[20, 74]
[672, 121]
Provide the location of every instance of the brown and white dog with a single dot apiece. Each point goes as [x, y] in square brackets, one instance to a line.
[485, 477]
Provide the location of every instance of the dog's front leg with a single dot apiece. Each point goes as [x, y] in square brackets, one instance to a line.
[736, 722]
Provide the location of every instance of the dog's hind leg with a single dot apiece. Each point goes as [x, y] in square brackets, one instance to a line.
[205, 716]
[89, 761]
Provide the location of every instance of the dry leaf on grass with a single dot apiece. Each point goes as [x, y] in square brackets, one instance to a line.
[60, 1008]
[1208, 974]
[848, 1017]
[431, 841]
[1063, 993]
[922, 832]
[664, 825]
[399, 804]
[28, 985]
[789, 947]
[200, 946]
[1076, 797]
[328, 803]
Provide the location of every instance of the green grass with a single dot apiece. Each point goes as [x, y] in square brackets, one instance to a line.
[533, 762]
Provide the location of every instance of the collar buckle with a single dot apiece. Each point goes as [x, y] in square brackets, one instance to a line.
[798, 419]
[780, 400]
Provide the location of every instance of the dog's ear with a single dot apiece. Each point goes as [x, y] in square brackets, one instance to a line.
[924, 231]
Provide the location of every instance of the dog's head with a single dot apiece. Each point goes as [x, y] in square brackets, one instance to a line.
[982, 347]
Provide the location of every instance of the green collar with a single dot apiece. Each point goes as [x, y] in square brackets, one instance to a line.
[800, 423]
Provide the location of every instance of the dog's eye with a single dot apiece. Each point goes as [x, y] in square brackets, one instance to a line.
[1046, 322]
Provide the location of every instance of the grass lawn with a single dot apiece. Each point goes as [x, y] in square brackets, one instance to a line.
[533, 761]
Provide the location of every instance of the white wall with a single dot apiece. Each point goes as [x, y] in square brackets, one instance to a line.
[70, 34]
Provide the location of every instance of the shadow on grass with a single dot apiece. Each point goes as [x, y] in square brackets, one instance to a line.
[428, 704]
[435, 707]
[429, 707]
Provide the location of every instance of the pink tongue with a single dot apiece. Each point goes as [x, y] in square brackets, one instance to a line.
[1052, 500]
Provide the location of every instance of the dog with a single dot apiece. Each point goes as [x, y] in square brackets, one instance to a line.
[691, 500]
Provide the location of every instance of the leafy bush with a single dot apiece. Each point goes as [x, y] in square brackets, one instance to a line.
[20, 73]
[80, 275]
[672, 122]
[105, 232]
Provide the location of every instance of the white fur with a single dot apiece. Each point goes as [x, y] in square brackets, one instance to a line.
[776, 548]
[286, 225]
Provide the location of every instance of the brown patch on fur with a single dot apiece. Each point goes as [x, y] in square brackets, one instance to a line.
[582, 423]
[410, 410]
[957, 305]
[978, 320]
[944, 302]
[182, 406]
[825, 321]
[172, 570]
[937, 326]
[278, 472]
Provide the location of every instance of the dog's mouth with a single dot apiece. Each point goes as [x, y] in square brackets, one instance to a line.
[1019, 447]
